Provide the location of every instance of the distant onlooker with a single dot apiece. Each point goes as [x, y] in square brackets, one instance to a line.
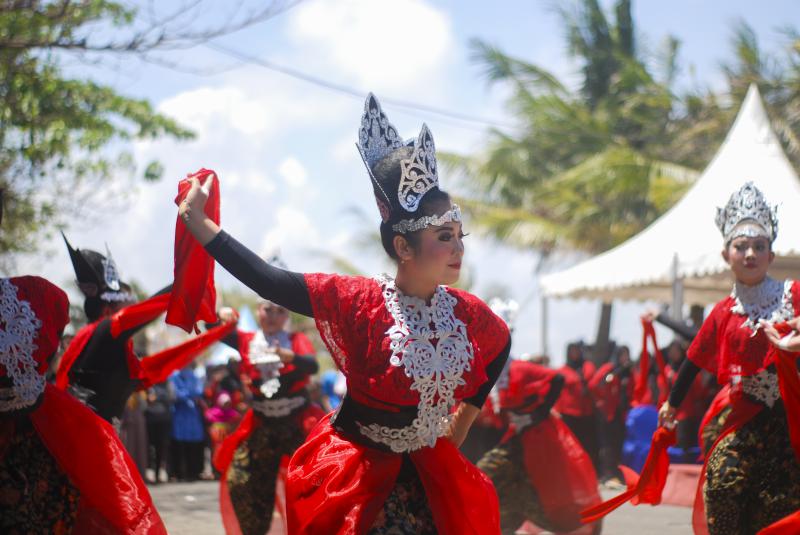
[188, 433]
[158, 415]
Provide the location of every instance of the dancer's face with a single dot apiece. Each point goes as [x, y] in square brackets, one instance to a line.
[440, 252]
[749, 259]
[272, 318]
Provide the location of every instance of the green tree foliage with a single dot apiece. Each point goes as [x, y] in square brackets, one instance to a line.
[64, 142]
[585, 169]
[61, 139]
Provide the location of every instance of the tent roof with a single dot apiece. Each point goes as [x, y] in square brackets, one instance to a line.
[641, 268]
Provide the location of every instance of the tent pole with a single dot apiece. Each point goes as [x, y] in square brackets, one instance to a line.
[677, 290]
[543, 325]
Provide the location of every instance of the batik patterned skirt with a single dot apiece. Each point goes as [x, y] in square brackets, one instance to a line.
[36, 497]
[752, 476]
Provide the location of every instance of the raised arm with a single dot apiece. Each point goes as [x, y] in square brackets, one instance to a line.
[281, 286]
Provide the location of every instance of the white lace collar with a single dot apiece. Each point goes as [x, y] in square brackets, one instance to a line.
[263, 356]
[771, 300]
[18, 328]
[431, 344]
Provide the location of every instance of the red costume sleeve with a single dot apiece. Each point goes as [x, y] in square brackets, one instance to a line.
[113, 496]
[71, 354]
[301, 344]
[704, 348]
[335, 300]
[157, 368]
[134, 315]
[193, 296]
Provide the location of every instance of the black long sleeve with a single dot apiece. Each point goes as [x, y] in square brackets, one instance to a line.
[493, 371]
[286, 288]
[686, 331]
[683, 383]
[556, 386]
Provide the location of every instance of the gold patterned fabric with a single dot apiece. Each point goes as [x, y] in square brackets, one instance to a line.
[752, 477]
[36, 497]
[253, 471]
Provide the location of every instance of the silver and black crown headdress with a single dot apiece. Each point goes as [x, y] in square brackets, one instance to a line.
[377, 138]
[748, 205]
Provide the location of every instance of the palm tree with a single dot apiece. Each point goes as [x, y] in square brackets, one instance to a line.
[586, 169]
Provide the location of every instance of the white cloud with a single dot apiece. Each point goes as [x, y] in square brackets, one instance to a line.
[293, 172]
[384, 44]
[290, 227]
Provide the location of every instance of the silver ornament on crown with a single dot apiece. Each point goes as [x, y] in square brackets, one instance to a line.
[748, 205]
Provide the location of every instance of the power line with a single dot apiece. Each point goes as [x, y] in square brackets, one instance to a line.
[352, 92]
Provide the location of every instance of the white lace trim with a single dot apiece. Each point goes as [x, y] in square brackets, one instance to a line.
[436, 369]
[763, 386]
[771, 301]
[264, 357]
[276, 408]
[18, 328]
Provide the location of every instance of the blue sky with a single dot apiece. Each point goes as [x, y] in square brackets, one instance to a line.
[285, 149]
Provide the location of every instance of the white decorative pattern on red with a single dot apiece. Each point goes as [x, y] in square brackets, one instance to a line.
[18, 328]
[431, 344]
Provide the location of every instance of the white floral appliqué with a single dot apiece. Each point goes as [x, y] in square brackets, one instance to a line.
[431, 344]
[771, 301]
[18, 328]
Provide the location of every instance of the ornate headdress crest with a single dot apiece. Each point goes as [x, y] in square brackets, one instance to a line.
[748, 205]
[97, 275]
[377, 138]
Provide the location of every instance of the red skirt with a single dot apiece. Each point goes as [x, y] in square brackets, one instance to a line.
[561, 472]
[336, 486]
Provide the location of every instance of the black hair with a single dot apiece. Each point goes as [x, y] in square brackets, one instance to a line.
[93, 307]
[387, 174]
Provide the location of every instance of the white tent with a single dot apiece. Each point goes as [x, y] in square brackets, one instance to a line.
[685, 239]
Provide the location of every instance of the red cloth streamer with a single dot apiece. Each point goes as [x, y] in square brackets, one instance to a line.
[561, 472]
[74, 349]
[336, 486]
[113, 496]
[132, 316]
[193, 296]
[789, 384]
[157, 368]
[649, 486]
[641, 393]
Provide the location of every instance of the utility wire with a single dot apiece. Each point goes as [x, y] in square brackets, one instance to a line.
[352, 92]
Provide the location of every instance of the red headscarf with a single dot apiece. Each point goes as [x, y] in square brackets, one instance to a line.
[113, 496]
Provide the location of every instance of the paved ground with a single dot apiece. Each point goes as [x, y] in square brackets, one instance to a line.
[192, 509]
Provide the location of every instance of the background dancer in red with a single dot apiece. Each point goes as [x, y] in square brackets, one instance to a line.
[62, 468]
[100, 367]
[752, 475]
[419, 357]
[576, 403]
[277, 364]
[540, 471]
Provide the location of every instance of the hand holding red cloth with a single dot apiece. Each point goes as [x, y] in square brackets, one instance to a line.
[193, 296]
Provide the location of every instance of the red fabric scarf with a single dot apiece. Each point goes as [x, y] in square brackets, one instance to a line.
[193, 295]
[641, 393]
[113, 496]
[650, 484]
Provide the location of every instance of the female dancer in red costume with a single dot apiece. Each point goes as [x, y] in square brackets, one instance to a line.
[100, 367]
[419, 357]
[62, 468]
[277, 366]
[752, 475]
[540, 471]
